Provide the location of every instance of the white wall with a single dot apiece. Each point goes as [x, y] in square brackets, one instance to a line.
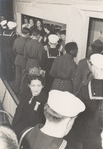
[74, 15]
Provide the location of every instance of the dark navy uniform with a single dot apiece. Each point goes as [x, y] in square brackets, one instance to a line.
[91, 120]
[46, 64]
[36, 139]
[18, 49]
[63, 70]
[8, 39]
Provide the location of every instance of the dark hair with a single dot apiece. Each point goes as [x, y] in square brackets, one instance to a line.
[70, 46]
[40, 20]
[25, 30]
[25, 17]
[35, 32]
[48, 26]
[35, 77]
[31, 19]
[51, 115]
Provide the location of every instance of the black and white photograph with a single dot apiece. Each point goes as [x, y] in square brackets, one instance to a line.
[51, 74]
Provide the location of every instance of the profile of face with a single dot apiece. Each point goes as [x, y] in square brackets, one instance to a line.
[36, 87]
[31, 22]
[74, 52]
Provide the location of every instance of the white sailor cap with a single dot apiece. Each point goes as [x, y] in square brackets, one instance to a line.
[65, 103]
[11, 24]
[53, 38]
[4, 22]
[97, 60]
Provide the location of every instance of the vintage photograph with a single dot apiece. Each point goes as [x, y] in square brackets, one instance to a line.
[51, 74]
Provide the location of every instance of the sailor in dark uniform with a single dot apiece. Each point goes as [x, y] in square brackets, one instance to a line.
[61, 110]
[83, 74]
[51, 53]
[3, 27]
[91, 121]
[9, 36]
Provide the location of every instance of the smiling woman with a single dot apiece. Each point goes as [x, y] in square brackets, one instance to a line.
[30, 110]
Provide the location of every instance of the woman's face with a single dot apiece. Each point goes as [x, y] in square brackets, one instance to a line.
[26, 21]
[36, 87]
[31, 22]
[38, 24]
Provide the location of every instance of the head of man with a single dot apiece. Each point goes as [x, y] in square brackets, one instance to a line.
[61, 111]
[36, 33]
[25, 32]
[95, 47]
[71, 48]
[8, 139]
[96, 65]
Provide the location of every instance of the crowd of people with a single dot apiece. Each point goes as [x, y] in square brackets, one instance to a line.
[54, 91]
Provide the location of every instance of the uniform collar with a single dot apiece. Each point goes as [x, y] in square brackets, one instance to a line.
[95, 93]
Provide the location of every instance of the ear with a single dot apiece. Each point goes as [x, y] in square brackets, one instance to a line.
[70, 123]
[66, 121]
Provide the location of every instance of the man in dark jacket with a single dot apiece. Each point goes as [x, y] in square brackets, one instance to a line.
[33, 51]
[83, 74]
[18, 49]
[63, 68]
[9, 35]
[90, 121]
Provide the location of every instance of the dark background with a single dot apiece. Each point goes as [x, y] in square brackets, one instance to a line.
[6, 9]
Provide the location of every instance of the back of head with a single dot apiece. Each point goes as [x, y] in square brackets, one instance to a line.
[62, 104]
[35, 32]
[95, 47]
[25, 30]
[71, 46]
[8, 139]
[47, 26]
[51, 115]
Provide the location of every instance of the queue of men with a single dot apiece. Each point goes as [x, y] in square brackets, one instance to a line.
[74, 91]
